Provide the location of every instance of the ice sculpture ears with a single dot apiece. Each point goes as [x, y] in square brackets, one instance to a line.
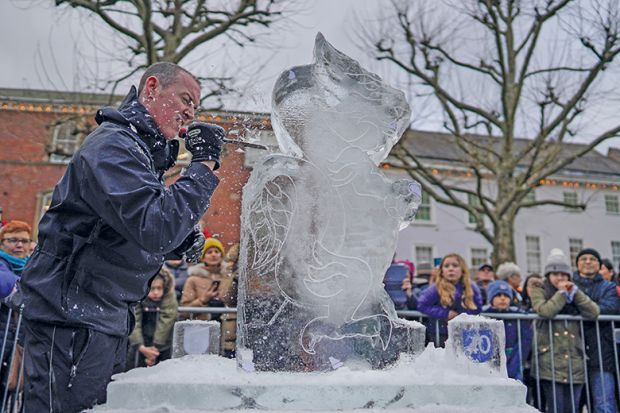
[354, 107]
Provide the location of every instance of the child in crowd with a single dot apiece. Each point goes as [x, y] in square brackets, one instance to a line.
[451, 294]
[518, 332]
[151, 339]
[211, 284]
[559, 357]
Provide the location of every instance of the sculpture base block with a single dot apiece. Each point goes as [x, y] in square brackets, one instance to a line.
[214, 384]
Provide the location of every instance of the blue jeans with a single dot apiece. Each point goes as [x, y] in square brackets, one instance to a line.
[603, 392]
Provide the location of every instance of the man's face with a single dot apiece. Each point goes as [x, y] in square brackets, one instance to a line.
[16, 243]
[485, 275]
[173, 106]
[588, 265]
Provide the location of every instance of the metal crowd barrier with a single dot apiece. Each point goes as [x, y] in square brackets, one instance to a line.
[536, 399]
[11, 362]
[11, 398]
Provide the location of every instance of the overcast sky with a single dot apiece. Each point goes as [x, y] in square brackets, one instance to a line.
[41, 47]
[47, 41]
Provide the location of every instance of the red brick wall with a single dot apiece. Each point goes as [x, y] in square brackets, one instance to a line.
[23, 135]
[25, 173]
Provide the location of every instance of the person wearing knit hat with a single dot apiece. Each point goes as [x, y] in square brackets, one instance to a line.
[212, 243]
[557, 262]
[511, 273]
[499, 287]
[211, 284]
[588, 251]
[599, 336]
[561, 372]
[518, 335]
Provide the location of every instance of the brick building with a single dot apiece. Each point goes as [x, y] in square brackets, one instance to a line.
[39, 130]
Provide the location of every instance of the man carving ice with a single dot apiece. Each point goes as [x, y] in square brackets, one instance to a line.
[111, 224]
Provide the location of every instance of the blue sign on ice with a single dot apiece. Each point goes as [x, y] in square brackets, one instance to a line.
[478, 344]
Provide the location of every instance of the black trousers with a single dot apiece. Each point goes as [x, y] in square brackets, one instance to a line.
[66, 369]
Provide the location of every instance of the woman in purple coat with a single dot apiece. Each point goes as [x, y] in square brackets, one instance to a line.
[451, 294]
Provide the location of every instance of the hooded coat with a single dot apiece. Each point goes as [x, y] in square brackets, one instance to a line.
[111, 222]
[559, 354]
[155, 319]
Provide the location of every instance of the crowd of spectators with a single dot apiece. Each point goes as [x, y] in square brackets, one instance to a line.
[554, 358]
[210, 283]
[557, 356]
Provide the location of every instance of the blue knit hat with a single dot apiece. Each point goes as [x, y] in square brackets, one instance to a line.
[498, 287]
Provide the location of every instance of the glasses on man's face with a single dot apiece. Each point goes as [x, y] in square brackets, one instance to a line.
[15, 241]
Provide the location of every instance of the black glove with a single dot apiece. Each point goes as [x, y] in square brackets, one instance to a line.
[193, 254]
[204, 141]
[190, 249]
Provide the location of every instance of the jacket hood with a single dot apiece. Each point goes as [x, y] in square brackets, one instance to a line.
[133, 114]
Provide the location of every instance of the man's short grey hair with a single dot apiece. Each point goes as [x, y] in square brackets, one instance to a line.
[507, 269]
[166, 72]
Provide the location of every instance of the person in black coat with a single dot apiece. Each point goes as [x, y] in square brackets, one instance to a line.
[601, 359]
[111, 224]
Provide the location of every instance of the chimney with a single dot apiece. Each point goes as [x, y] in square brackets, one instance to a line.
[614, 154]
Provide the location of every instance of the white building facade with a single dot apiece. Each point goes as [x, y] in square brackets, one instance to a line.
[593, 180]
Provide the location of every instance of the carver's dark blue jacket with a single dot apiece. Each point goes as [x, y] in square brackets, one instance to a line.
[110, 223]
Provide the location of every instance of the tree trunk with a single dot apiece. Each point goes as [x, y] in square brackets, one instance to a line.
[503, 240]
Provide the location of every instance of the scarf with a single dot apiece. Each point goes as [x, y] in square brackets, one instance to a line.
[15, 264]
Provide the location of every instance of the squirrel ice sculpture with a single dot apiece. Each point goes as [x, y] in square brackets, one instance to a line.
[320, 219]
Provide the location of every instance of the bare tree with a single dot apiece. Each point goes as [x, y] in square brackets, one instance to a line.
[497, 69]
[173, 30]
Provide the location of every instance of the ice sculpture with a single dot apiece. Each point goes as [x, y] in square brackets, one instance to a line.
[320, 223]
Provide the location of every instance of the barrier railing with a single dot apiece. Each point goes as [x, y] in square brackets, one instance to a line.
[11, 366]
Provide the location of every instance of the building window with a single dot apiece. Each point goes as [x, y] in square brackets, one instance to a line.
[615, 253]
[44, 199]
[611, 204]
[532, 252]
[479, 256]
[424, 210]
[574, 246]
[66, 139]
[570, 198]
[423, 253]
[474, 201]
